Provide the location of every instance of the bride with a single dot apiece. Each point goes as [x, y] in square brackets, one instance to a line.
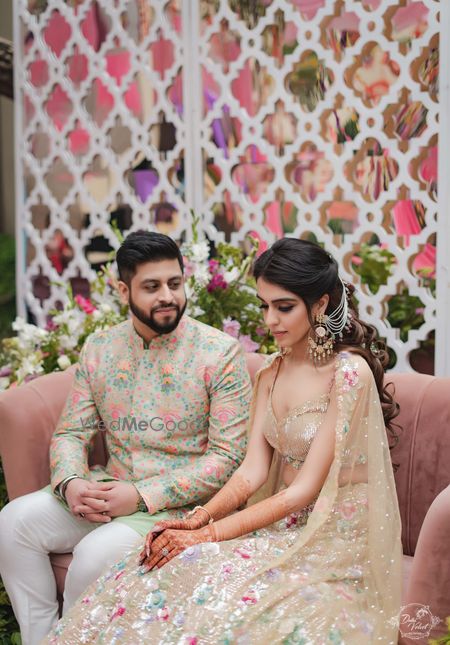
[314, 557]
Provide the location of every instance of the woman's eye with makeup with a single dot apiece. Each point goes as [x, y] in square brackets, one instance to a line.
[285, 308]
[263, 306]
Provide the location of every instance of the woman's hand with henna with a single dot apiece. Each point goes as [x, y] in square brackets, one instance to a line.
[172, 542]
[196, 521]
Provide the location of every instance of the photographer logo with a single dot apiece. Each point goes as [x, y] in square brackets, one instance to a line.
[417, 621]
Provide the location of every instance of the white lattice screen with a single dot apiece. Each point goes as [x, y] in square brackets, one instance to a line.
[313, 118]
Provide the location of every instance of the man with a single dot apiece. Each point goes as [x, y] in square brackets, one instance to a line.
[172, 396]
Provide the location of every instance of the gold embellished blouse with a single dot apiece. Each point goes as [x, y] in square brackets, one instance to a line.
[292, 435]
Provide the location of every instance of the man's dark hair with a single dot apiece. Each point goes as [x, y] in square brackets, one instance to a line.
[145, 246]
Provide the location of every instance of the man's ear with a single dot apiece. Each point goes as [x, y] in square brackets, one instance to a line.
[124, 292]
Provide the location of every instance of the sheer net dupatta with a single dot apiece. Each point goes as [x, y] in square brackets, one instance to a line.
[355, 523]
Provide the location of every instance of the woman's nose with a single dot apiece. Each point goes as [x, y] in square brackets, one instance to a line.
[271, 318]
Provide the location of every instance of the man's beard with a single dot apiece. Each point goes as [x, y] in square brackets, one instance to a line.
[150, 321]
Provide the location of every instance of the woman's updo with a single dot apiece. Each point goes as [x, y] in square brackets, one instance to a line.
[310, 272]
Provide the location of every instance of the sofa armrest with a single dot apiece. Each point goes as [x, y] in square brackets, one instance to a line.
[429, 581]
[28, 416]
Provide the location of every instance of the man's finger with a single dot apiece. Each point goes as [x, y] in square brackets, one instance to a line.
[94, 504]
[95, 494]
[97, 518]
[102, 485]
[87, 508]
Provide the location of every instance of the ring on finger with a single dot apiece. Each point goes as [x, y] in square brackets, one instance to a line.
[165, 551]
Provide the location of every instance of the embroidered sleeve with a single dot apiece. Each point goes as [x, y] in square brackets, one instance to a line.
[76, 427]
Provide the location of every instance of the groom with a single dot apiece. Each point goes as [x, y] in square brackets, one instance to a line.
[172, 396]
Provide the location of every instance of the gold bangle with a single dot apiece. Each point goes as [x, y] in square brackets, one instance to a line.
[201, 508]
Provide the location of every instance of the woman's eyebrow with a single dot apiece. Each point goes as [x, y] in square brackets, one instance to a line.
[287, 299]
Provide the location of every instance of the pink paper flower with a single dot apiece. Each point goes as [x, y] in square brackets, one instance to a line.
[85, 304]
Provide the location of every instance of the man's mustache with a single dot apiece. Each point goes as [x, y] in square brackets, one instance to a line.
[155, 309]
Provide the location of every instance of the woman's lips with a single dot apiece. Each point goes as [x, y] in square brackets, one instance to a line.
[277, 334]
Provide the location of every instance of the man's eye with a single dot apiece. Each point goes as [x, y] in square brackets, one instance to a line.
[175, 285]
[286, 308]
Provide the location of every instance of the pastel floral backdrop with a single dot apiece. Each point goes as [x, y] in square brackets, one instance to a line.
[313, 118]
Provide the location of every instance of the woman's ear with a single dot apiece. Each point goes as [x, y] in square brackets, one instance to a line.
[321, 305]
[123, 292]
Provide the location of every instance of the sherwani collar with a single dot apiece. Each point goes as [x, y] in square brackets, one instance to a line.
[162, 341]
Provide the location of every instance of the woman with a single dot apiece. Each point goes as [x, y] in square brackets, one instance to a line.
[317, 560]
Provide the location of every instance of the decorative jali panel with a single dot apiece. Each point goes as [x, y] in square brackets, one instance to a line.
[312, 118]
[320, 121]
[103, 134]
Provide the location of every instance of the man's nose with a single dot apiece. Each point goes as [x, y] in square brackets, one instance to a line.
[165, 293]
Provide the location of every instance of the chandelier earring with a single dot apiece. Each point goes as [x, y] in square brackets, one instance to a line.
[327, 328]
[320, 346]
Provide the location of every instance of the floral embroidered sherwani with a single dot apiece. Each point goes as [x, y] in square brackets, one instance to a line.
[174, 412]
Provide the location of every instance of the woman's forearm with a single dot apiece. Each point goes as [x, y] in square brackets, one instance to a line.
[234, 494]
[260, 515]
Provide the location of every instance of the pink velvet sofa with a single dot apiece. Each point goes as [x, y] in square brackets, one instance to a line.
[29, 413]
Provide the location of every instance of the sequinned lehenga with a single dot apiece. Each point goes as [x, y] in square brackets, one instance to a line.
[327, 574]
